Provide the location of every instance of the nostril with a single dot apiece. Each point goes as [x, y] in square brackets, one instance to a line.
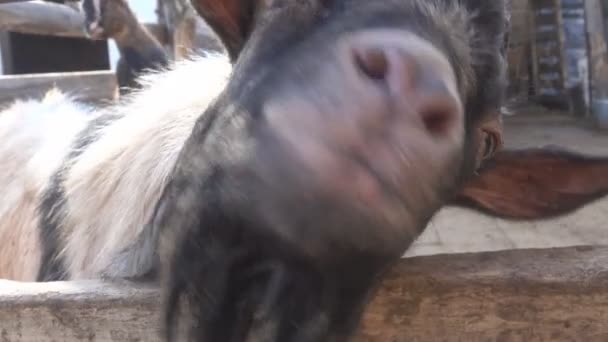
[373, 62]
[438, 117]
[436, 122]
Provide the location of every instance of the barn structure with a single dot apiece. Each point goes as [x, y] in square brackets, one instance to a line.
[558, 53]
[557, 59]
[43, 43]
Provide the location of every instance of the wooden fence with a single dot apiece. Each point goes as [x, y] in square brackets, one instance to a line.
[522, 295]
[38, 17]
[87, 86]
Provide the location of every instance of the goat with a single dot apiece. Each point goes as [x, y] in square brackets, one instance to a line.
[271, 189]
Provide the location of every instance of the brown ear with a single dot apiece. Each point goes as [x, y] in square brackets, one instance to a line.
[487, 137]
[535, 184]
[230, 19]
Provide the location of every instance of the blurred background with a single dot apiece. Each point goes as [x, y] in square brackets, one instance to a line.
[145, 11]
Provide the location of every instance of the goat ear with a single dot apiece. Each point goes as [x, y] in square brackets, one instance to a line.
[488, 137]
[535, 184]
[230, 19]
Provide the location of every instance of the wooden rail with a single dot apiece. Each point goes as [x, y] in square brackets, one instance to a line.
[12, 1]
[39, 17]
[89, 86]
[522, 295]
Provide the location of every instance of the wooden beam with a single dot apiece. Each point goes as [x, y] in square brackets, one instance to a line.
[39, 17]
[12, 1]
[89, 86]
[523, 295]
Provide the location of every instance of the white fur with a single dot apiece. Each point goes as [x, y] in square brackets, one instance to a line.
[35, 136]
[113, 186]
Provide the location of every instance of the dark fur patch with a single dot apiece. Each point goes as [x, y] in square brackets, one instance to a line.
[53, 205]
[51, 265]
[134, 62]
[239, 279]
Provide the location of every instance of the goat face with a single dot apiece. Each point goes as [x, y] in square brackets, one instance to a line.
[345, 126]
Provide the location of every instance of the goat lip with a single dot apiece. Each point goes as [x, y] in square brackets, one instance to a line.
[384, 183]
[385, 190]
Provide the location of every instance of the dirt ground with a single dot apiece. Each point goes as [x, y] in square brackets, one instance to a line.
[456, 230]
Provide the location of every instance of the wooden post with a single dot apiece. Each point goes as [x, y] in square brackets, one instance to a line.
[549, 48]
[533, 52]
[509, 296]
[597, 50]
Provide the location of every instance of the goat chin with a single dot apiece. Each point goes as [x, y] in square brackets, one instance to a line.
[111, 185]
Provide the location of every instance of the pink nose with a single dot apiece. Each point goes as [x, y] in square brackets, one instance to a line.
[412, 79]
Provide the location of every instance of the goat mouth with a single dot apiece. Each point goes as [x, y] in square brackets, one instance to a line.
[363, 183]
[386, 187]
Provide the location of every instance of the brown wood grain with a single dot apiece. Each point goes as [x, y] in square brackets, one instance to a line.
[521, 295]
[524, 295]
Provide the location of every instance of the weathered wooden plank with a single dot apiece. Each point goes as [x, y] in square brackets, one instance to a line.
[39, 17]
[79, 311]
[525, 295]
[90, 86]
[520, 295]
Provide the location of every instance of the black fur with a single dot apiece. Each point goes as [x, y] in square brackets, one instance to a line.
[241, 275]
[134, 61]
[52, 265]
[53, 206]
